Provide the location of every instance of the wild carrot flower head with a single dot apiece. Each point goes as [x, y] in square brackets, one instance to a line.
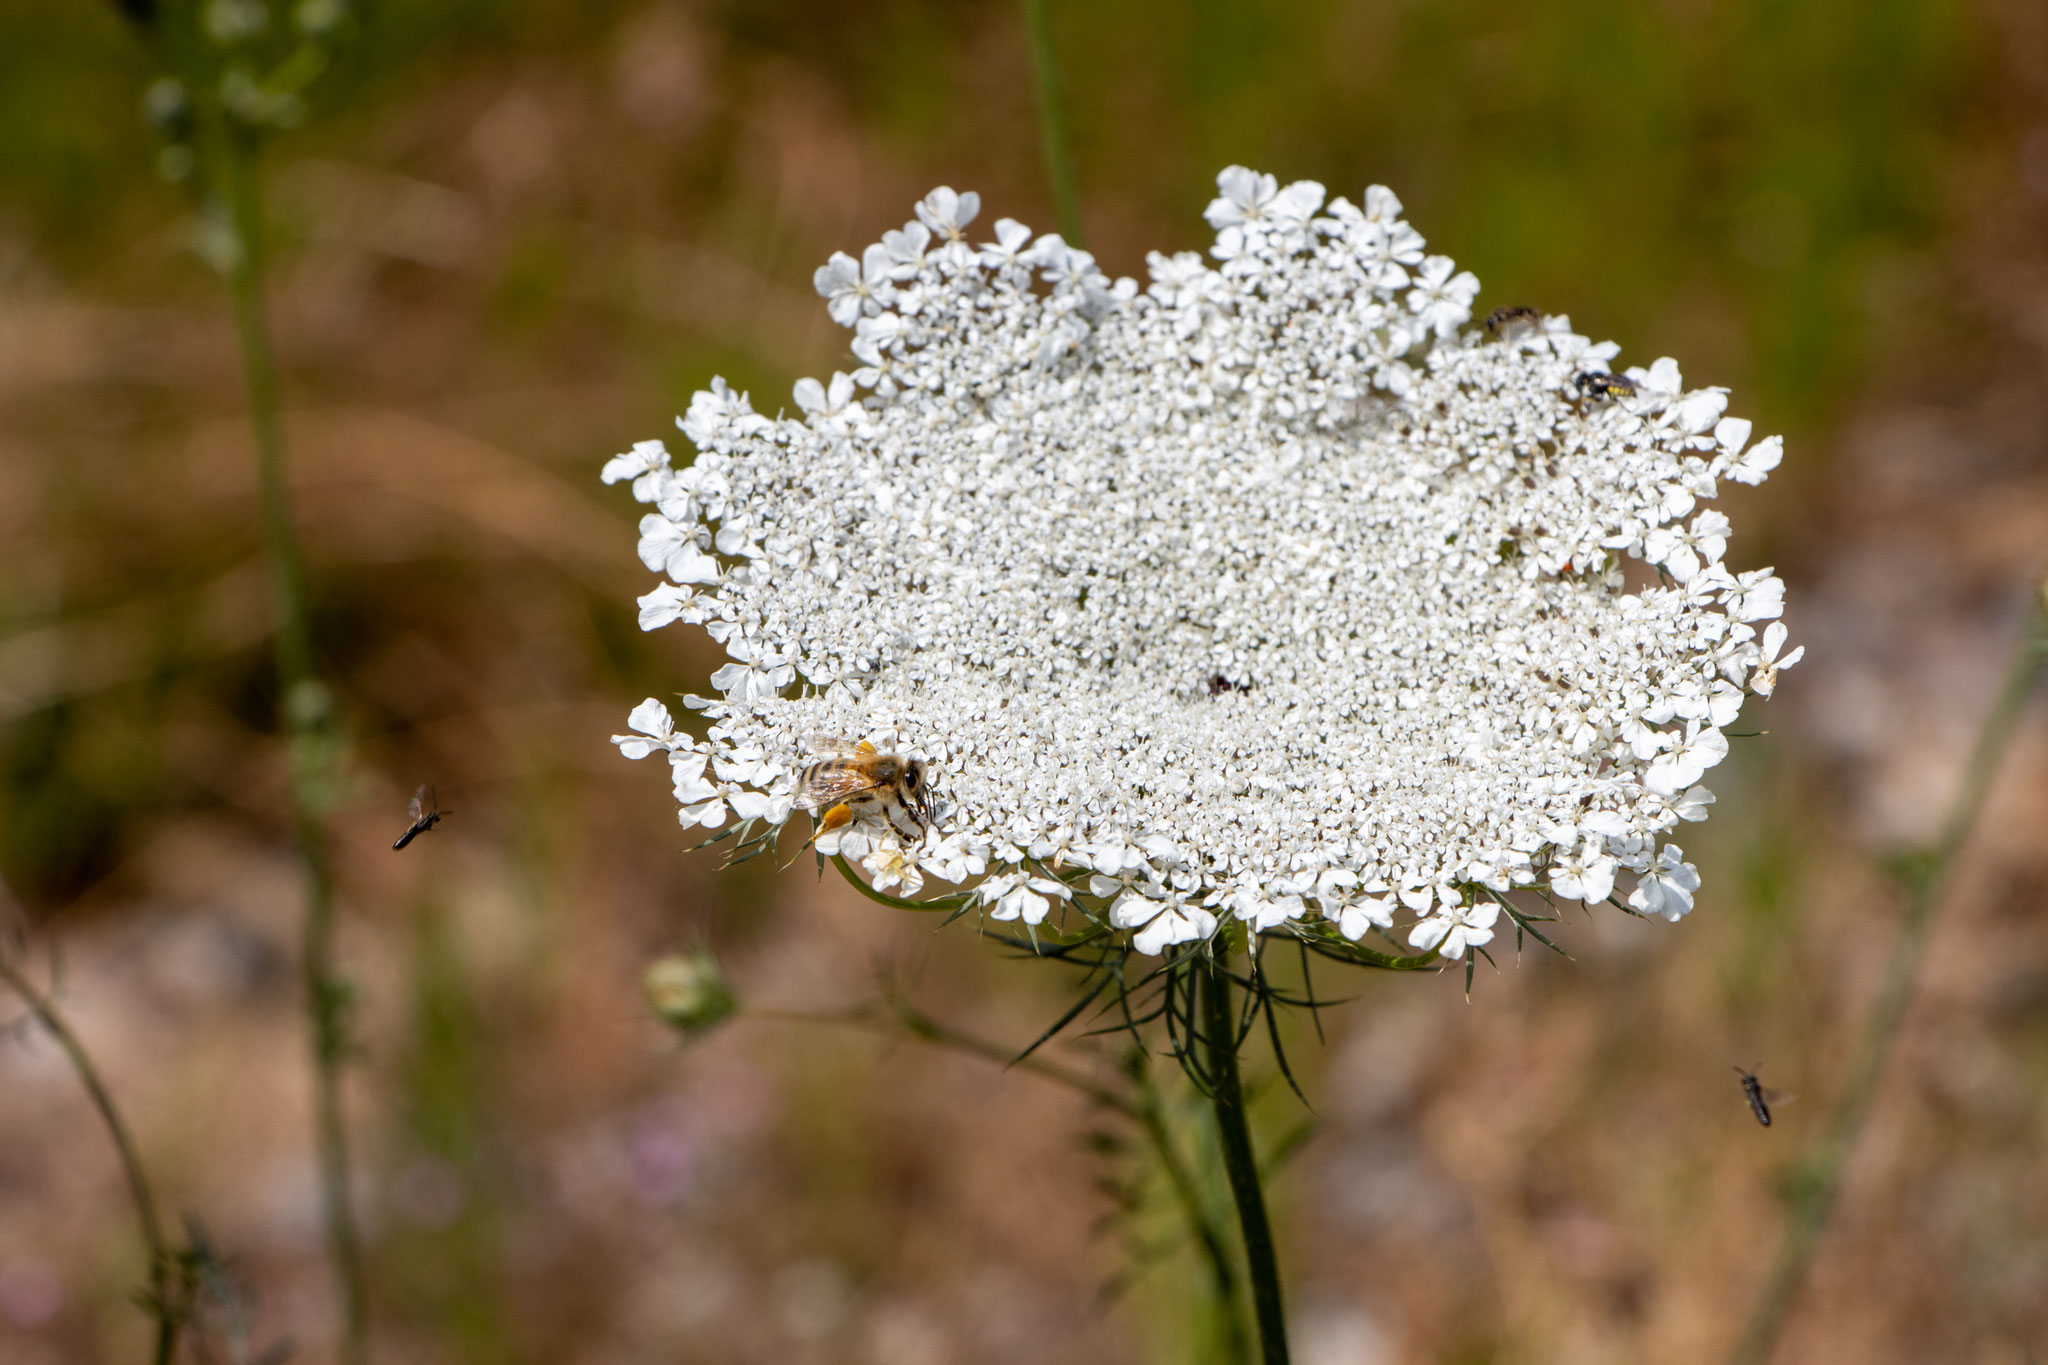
[1269, 589]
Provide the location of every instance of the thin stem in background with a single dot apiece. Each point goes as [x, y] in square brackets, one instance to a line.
[1926, 876]
[1145, 1108]
[165, 1305]
[1052, 123]
[307, 712]
[1151, 1113]
[1234, 1135]
[905, 1019]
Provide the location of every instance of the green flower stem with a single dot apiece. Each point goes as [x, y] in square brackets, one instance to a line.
[1234, 1135]
[166, 1307]
[308, 727]
[1926, 876]
[1052, 124]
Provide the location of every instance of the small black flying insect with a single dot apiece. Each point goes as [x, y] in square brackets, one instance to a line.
[423, 814]
[1760, 1099]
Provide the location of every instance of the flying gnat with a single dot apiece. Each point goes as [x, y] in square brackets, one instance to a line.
[423, 812]
[1760, 1099]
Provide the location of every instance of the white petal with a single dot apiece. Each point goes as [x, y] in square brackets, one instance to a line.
[665, 604]
[1733, 434]
[650, 717]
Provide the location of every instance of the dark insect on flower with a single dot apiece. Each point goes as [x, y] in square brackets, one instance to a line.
[1754, 1092]
[423, 814]
[1599, 385]
[1219, 684]
[1506, 321]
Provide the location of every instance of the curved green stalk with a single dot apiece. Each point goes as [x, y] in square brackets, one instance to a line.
[1926, 876]
[1233, 1131]
[952, 902]
[307, 714]
[165, 1305]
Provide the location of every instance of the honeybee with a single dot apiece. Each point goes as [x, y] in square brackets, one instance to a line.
[860, 779]
[1512, 319]
[1600, 385]
[423, 813]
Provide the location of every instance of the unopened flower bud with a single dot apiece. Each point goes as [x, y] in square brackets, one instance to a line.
[688, 992]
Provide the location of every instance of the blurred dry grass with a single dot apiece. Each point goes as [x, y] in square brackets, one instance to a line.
[519, 239]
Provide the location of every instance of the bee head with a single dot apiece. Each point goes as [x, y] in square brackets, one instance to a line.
[914, 784]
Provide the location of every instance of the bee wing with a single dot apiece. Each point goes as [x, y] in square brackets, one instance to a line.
[823, 786]
[833, 746]
[417, 806]
[1779, 1098]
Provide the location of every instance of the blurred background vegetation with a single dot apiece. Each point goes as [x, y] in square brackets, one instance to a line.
[513, 237]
